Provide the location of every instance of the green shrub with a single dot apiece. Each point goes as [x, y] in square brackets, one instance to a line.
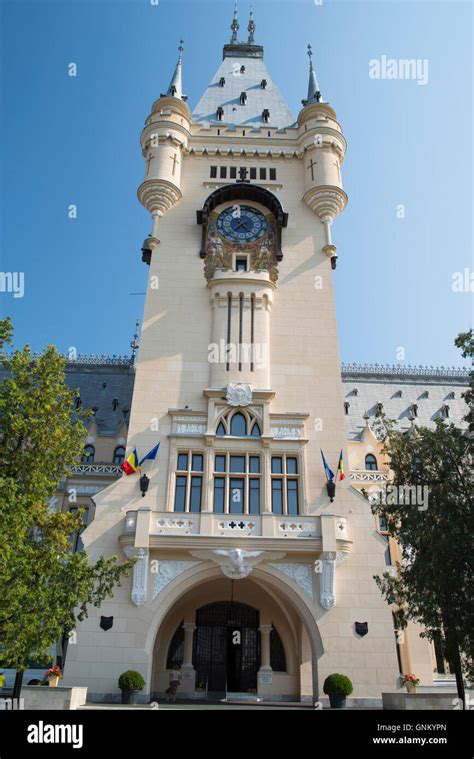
[131, 680]
[337, 685]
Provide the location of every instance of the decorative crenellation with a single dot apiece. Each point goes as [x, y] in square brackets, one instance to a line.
[397, 372]
[368, 476]
[171, 524]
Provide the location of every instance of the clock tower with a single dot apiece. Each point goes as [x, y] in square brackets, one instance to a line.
[251, 574]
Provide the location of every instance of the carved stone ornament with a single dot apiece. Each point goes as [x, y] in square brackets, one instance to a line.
[236, 563]
[239, 394]
[166, 571]
[301, 574]
[220, 251]
[140, 574]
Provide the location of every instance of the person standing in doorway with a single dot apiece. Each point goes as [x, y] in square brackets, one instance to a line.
[175, 679]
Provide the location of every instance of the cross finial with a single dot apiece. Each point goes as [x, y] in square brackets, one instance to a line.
[134, 343]
[181, 48]
[251, 28]
[235, 26]
[310, 55]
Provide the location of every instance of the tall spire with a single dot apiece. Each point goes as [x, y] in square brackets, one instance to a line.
[251, 28]
[235, 26]
[176, 85]
[314, 93]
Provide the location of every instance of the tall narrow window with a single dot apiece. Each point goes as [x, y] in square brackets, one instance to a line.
[370, 463]
[263, 173]
[285, 485]
[233, 172]
[188, 485]
[253, 173]
[273, 174]
[241, 319]
[213, 172]
[223, 172]
[237, 485]
[229, 327]
[238, 425]
[252, 333]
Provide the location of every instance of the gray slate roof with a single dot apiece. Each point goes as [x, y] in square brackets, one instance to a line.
[397, 388]
[228, 97]
[99, 385]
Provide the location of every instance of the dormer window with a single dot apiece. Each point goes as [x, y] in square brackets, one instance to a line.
[220, 113]
[378, 409]
[222, 81]
[243, 98]
[445, 411]
[266, 116]
[414, 409]
[347, 406]
[173, 90]
[242, 69]
[263, 84]
[115, 404]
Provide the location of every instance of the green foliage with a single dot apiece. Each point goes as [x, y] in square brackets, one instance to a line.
[131, 680]
[44, 586]
[337, 685]
[434, 582]
[465, 342]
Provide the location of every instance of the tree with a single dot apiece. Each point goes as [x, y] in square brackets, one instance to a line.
[434, 527]
[45, 587]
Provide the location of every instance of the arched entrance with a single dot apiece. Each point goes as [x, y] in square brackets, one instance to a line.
[249, 638]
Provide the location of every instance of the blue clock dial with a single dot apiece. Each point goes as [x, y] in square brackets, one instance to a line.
[242, 224]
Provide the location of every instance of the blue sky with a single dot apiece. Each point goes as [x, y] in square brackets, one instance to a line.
[76, 141]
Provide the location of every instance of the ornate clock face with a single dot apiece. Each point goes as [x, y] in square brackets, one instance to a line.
[242, 224]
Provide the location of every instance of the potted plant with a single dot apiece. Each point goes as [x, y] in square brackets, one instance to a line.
[337, 687]
[130, 683]
[53, 676]
[411, 681]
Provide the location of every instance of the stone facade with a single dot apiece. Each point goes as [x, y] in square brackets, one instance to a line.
[306, 567]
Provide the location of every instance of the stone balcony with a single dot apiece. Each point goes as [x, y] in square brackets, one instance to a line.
[307, 533]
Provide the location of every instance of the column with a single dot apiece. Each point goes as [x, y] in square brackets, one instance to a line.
[265, 631]
[188, 675]
[265, 673]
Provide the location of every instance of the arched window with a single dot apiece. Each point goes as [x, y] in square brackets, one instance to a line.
[370, 463]
[220, 430]
[88, 454]
[238, 425]
[176, 649]
[277, 653]
[256, 432]
[119, 455]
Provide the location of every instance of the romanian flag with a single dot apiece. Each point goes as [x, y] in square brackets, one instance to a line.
[131, 465]
[151, 455]
[329, 472]
[340, 468]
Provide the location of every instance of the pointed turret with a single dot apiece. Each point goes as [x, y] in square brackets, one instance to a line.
[235, 26]
[314, 93]
[251, 29]
[176, 85]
